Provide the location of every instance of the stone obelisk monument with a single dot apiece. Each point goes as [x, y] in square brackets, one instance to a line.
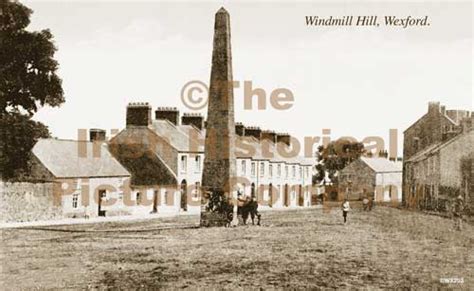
[219, 163]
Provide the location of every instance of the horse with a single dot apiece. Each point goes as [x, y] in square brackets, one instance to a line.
[246, 207]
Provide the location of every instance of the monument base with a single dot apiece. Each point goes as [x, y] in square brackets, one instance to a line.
[217, 210]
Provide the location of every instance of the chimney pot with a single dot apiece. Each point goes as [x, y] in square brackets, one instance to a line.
[195, 119]
[269, 135]
[254, 131]
[96, 134]
[239, 129]
[138, 114]
[167, 113]
[284, 138]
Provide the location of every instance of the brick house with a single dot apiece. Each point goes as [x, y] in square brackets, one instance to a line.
[438, 157]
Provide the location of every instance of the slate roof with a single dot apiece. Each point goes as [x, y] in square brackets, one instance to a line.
[382, 165]
[62, 159]
[137, 149]
[179, 137]
[431, 149]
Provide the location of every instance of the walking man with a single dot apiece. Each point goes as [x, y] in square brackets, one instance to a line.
[457, 213]
[345, 209]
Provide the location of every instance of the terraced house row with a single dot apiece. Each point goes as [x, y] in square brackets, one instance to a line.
[154, 165]
[175, 156]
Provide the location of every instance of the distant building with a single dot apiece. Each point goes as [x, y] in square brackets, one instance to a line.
[377, 178]
[438, 159]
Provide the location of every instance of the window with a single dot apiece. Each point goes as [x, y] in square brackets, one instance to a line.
[120, 196]
[286, 171]
[244, 167]
[294, 171]
[75, 197]
[183, 164]
[196, 191]
[307, 172]
[139, 198]
[270, 170]
[300, 172]
[253, 169]
[262, 169]
[279, 171]
[197, 161]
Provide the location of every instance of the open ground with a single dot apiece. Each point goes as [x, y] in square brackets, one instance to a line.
[385, 248]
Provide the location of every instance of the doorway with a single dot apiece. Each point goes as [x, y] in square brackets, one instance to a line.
[155, 201]
[184, 195]
[300, 195]
[270, 195]
[101, 196]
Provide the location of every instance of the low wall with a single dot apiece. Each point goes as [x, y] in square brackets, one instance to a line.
[23, 201]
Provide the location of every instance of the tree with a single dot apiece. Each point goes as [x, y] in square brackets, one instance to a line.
[335, 157]
[28, 81]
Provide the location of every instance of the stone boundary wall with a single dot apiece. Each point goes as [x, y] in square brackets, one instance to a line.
[22, 201]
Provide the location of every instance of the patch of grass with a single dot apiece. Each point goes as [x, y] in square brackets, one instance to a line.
[385, 248]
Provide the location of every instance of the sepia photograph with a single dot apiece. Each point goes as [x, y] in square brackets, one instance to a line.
[204, 145]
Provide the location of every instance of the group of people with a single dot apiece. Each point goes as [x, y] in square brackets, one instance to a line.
[368, 204]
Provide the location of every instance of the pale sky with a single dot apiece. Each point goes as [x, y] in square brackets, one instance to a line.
[357, 81]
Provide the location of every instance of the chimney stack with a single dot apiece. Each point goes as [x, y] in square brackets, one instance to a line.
[269, 135]
[433, 107]
[254, 131]
[195, 119]
[443, 109]
[284, 138]
[138, 114]
[96, 134]
[167, 113]
[239, 129]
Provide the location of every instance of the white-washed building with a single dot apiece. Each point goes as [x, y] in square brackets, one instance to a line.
[174, 148]
[87, 180]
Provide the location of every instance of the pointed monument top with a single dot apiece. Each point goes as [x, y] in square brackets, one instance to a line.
[222, 10]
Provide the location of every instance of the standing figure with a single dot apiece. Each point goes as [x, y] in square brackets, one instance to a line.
[345, 209]
[365, 203]
[457, 213]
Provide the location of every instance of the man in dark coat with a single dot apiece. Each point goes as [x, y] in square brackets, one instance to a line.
[457, 213]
